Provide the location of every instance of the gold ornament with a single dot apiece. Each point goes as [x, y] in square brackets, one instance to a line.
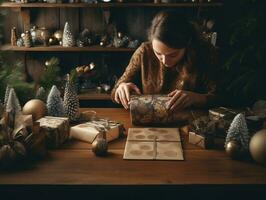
[87, 69]
[36, 108]
[100, 145]
[45, 35]
[233, 149]
[257, 146]
[52, 41]
[92, 65]
[58, 35]
[120, 35]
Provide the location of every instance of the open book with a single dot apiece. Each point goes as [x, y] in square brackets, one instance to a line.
[153, 144]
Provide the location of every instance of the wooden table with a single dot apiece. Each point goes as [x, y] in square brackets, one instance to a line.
[75, 165]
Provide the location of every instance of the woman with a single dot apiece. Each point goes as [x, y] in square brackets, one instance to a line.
[175, 61]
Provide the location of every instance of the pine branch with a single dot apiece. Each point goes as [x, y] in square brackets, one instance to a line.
[51, 75]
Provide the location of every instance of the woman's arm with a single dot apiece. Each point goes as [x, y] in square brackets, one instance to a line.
[130, 75]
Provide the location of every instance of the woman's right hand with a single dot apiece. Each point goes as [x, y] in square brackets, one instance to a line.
[122, 93]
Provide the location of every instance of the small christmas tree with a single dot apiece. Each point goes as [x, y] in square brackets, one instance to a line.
[238, 132]
[6, 95]
[41, 94]
[68, 39]
[71, 101]
[13, 102]
[55, 103]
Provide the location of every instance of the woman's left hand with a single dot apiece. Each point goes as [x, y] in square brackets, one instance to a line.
[182, 99]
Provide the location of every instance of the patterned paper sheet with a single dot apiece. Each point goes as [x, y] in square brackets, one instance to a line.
[153, 144]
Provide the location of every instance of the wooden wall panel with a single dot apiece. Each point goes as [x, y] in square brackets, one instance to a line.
[92, 19]
[48, 18]
[72, 17]
[12, 19]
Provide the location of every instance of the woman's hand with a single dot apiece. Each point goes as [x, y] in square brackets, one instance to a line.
[182, 99]
[122, 93]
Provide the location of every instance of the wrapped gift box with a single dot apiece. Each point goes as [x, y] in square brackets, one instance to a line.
[224, 113]
[152, 110]
[88, 131]
[205, 141]
[207, 133]
[56, 129]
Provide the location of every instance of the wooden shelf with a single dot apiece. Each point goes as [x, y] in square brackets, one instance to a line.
[94, 96]
[58, 48]
[105, 5]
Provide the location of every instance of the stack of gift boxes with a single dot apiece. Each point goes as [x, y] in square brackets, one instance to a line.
[210, 130]
[58, 130]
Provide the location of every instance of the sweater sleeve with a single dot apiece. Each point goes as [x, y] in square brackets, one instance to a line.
[133, 70]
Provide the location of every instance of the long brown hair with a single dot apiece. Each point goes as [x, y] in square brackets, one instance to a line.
[176, 31]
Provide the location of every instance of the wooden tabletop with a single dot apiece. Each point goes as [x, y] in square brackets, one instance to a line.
[74, 164]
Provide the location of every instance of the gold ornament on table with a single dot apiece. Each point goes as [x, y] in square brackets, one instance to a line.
[36, 108]
[233, 149]
[100, 145]
[14, 36]
[257, 147]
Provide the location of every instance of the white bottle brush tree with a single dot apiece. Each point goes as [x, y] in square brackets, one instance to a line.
[13, 103]
[68, 38]
[71, 101]
[6, 95]
[238, 132]
[41, 94]
[55, 103]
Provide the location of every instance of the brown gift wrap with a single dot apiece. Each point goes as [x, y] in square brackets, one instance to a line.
[152, 110]
[224, 113]
[56, 129]
[205, 141]
[207, 133]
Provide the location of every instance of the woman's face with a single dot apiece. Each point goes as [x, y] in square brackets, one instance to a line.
[168, 56]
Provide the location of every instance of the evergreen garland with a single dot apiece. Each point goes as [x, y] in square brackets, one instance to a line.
[12, 75]
[51, 75]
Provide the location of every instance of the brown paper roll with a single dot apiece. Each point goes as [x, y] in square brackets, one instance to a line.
[152, 110]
